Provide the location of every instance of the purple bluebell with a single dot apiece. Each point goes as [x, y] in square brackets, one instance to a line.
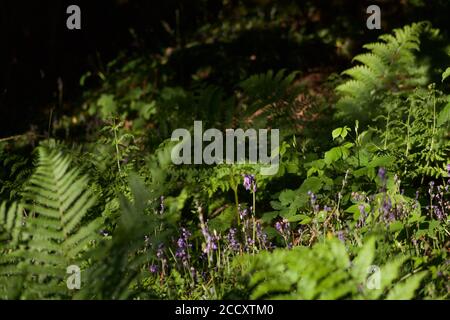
[242, 212]
[183, 246]
[283, 227]
[153, 268]
[160, 251]
[341, 236]
[438, 213]
[232, 240]
[250, 182]
[261, 235]
[312, 197]
[249, 244]
[211, 240]
[382, 173]
[279, 227]
[362, 209]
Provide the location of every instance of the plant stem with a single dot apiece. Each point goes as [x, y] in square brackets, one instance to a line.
[236, 201]
[116, 143]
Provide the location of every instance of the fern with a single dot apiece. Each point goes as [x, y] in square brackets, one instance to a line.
[57, 199]
[267, 96]
[10, 235]
[326, 271]
[390, 66]
[415, 132]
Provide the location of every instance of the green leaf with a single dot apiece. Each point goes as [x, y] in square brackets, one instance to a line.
[340, 132]
[313, 184]
[396, 226]
[444, 115]
[108, 105]
[336, 153]
[446, 74]
[223, 221]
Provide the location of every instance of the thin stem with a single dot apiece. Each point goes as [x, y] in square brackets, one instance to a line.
[254, 221]
[116, 145]
[236, 200]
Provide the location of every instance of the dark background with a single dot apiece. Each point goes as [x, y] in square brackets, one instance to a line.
[37, 49]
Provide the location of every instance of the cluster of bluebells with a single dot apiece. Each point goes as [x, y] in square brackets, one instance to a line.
[251, 233]
[382, 174]
[284, 228]
[233, 242]
[341, 236]
[388, 213]
[250, 182]
[313, 199]
[439, 206]
[362, 216]
[161, 259]
[183, 246]
[212, 240]
[262, 237]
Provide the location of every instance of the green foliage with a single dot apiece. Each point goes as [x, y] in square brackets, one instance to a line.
[446, 74]
[141, 227]
[57, 203]
[326, 271]
[119, 264]
[389, 67]
[10, 237]
[415, 132]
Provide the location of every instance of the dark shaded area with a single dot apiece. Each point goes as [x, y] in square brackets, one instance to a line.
[38, 49]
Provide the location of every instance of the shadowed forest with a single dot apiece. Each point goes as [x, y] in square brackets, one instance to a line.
[357, 208]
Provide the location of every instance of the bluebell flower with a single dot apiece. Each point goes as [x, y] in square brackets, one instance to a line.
[341, 236]
[362, 209]
[283, 227]
[232, 240]
[183, 246]
[313, 197]
[250, 182]
[382, 173]
[261, 236]
[242, 212]
[153, 268]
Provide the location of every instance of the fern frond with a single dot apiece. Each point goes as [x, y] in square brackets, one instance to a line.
[58, 199]
[11, 225]
[389, 67]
